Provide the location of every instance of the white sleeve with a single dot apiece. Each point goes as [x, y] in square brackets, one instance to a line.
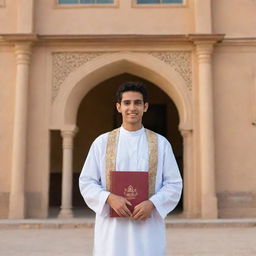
[166, 199]
[90, 185]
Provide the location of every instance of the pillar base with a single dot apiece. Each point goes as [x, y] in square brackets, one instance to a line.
[190, 215]
[209, 207]
[66, 214]
[17, 206]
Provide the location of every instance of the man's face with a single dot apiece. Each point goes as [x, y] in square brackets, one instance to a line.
[132, 108]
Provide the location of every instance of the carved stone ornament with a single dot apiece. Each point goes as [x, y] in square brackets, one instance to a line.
[65, 63]
[180, 61]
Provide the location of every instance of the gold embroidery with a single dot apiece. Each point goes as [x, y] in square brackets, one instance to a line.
[130, 192]
[153, 158]
[111, 155]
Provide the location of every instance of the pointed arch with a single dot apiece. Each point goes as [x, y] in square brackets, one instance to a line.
[80, 82]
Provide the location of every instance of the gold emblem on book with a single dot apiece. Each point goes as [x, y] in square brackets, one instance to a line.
[130, 192]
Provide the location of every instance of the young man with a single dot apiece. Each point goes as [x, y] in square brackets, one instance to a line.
[131, 148]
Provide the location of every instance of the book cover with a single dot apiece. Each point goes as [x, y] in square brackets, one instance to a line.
[131, 185]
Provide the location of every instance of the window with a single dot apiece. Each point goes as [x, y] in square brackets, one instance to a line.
[159, 1]
[85, 1]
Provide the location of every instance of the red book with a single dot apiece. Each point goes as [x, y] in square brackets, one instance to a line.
[131, 185]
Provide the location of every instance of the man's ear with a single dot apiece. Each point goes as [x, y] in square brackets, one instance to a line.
[146, 107]
[118, 107]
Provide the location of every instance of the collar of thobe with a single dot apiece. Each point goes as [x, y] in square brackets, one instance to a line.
[123, 131]
[111, 151]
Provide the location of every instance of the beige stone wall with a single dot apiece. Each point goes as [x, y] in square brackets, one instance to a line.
[7, 84]
[234, 18]
[234, 82]
[124, 19]
[8, 17]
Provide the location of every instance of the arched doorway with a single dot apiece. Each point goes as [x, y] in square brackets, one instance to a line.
[65, 108]
[96, 115]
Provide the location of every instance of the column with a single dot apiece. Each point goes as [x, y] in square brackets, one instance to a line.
[17, 195]
[189, 192]
[67, 173]
[206, 130]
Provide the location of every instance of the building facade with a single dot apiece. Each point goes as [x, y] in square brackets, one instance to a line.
[61, 62]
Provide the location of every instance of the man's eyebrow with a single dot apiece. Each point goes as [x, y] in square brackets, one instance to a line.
[132, 100]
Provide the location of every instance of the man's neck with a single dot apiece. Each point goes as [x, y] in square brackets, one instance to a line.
[131, 128]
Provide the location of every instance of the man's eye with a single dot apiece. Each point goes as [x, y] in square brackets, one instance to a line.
[139, 102]
[126, 102]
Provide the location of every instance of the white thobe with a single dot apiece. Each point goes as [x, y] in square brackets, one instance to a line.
[124, 236]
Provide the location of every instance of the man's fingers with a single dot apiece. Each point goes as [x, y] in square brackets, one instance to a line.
[135, 211]
[143, 218]
[127, 211]
[140, 216]
[137, 215]
[119, 213]
[128, 202]
[123, 211]
[137, 206]
[124, 214]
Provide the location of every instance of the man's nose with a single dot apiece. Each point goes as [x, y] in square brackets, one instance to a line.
[132, 106]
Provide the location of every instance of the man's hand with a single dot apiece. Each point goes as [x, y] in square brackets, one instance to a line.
[119, 204]
[143, 210]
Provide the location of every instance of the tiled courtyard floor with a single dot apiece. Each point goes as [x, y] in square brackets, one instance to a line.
[185, 241]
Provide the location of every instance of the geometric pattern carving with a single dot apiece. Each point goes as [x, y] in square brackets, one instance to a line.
[180, 61]
[66, 62]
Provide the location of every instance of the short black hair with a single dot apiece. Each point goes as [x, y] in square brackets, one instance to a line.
[134, 87]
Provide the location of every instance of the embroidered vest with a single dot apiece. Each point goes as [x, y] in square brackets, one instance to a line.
[153, 157]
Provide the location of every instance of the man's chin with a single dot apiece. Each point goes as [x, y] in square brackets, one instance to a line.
[131, 121]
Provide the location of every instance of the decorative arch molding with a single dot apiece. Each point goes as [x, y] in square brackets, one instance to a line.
[65, 63]
[81, 79]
